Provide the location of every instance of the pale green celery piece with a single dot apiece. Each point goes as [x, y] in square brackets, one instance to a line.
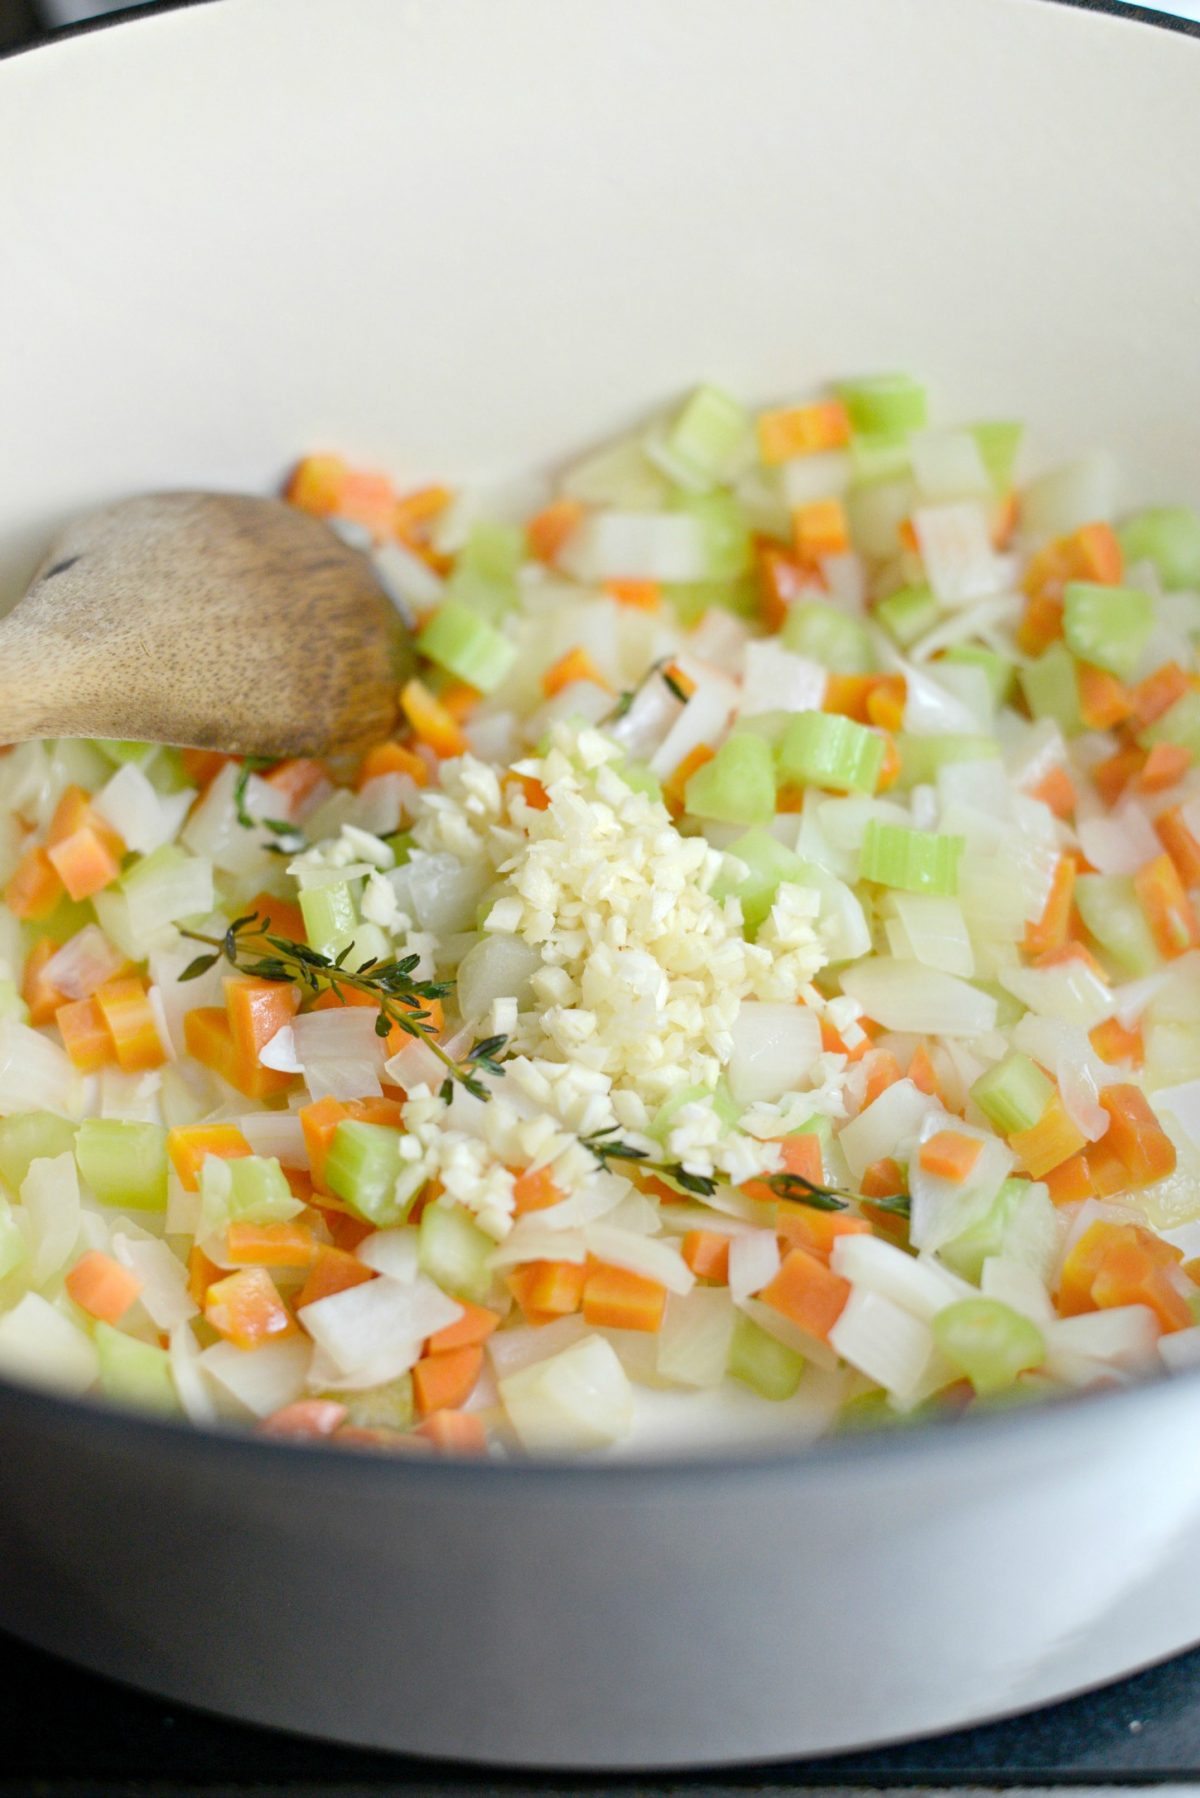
[670, 1108]
[1009, 1010]
[1107, 626]
[914, 861]
[759, 1361]
[637, 775]
[454, 1252]
[738, 785]
[768, 863]
[1168, 536]
[989, 1342]
[165, 886]
[484, 577]
[868, 1411]
[878, 456]
[1013, 1094]
[770, 725]
[998, 443]
[702, 442]
[125, 1164]
[884, 403]
[13, 1247]
[1180, 724]
[726, 1107]
[66, 920]
[401, 843]
[166, 772]
[823, 749]
[1109, 907]
[330, 917]
[458, 640]
[921, 757]
[727, 539]
[119, 752]
[362, 1167]
[251, 1189]
[1001, 673]
[1051, 689]
[967, 1253]
[29, 1136]
[387, 1407]
[908, 613]
[692, 599]
[823, 634]
[11, 1003]
[134, 1373]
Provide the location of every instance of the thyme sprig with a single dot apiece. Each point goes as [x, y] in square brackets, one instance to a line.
[605, 1147]
[254, 764]
[250, 946]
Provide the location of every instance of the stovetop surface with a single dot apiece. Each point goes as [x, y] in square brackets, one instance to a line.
[68, 1734]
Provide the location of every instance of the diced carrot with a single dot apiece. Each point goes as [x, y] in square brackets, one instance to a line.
[1192, 1270]
[847, 694]
[883, 1070]
[819, 529]
[675, 785]
[40, 996]
[289, 1244]
[534, 1190]
[706, 1252]
[392, 758]
[1123, 1264]
[800, 1155]
[781, 580]
[882, 1179]
[454, 1432]
[189, 1145]
[247, 1310]
[320, 1120]
[922, 1073]
[906, 531]
[103, 1288]
[950, 1155]
[1111, 776]
[1107, 1172]
[801, 1226]
[1070, 1181]
[1050, 930]
[279, 916]
[1180, 844]
[370, 500]
[833, 1043]
[431, 722]
[640, 596]
[1052, 1140]
[548, 530]
[414, 513]
[533, 792]
[333, 1270]
[201, 1274]
[1004, 520]
[431, 1017]
[1041, 623]
[316, 485]
[34, 888]
[203, 765]
[1073, 951]
[1135, 1135]
[1056, 790]
[207, 1035]
[348, 996]
[575, 665]
[1157, 693]
[86, 1037]
[891, 765]
[458, 698]
[297, 779]
[886, 701]
[86, 862]
[473, 1327]
[615, 1299]
[444, 1382]
[72, 813]
[131, 1023]
[807, 1292]
[1091, 553]
[308, 1418]
[1112, 1042]
[257, 1010]
[1103, 700]
[1166, 764]
[1166, 906]
[547, 1289]
[801, 430]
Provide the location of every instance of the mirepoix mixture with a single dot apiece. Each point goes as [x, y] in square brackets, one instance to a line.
[756, 990]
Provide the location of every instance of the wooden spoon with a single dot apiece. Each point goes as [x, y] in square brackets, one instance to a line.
[209, 620]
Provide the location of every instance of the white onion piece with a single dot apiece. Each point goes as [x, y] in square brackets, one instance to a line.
[370, 1321]
[775, 1324]
[391, 1252]
[775, 680]
[578, 1399]
[530, 1240]
[439, 891]
[955, 542]
[83, 963]
[142, 817]
[498, 967]
[416, 1064]
[280, 1053]
[35, 1074]
[824, 474]
[1181, 1349]
[384, 802]
[1064, 498]
[1080, 1097]
[1127, 1335]
[1121, 842]
[191, 1383]
[918, 1286]
[1069, 993]
[408, 580]
[264, 1381]
[754, 1260]
[50, 1195]
[846, 579]
[279, 1135]
[522, 1346]
[948, 465]
[344, 1031]
[885, 1127]
[942, 1209]
[931, 930]
[880, 1339]
[1018, 1285]
[904, 996]
[652, 546]
[702, 720]
[693, 1344]
[930, 708]
[164, 1293]
[1130, 999]
[43, 1348]
[774, 1046]
[640, 1255]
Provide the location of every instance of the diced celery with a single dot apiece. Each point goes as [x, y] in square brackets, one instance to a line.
[998, 443]
[758, 1360]
[1001, 673]
[1109, 907]
[884, 402]
[1051, 689]
[700, 446]
[11, 1003]
[908, 613]
[915, 861]
[638, 776]
[869, 1411]
[823, 749]
[769, 725]
[1107, 626]
[921, 757]
[1013, 1094]
[767, 863]
[718, 1097]
[1009, 1010]
[1168, 536]
[330, 917]
[727, 541]
[1180, 723]
[467, 646]
[67, 919]
[164, 887]
[29, 1136]
[166, 772]
[988, 1341]
[252, 1189]
[878, 456]
[738, 785]
[124, 1163]
[362, 1167]
[485, 572]
[454, 1252]
[134, 1373]
[119, 752]
[13, 1247]
[823, 634]
[387, 1407]
[693, 599]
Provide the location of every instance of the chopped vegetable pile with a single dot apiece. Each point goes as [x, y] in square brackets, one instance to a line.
[759, 983]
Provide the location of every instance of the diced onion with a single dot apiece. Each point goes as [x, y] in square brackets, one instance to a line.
[774, 1046]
